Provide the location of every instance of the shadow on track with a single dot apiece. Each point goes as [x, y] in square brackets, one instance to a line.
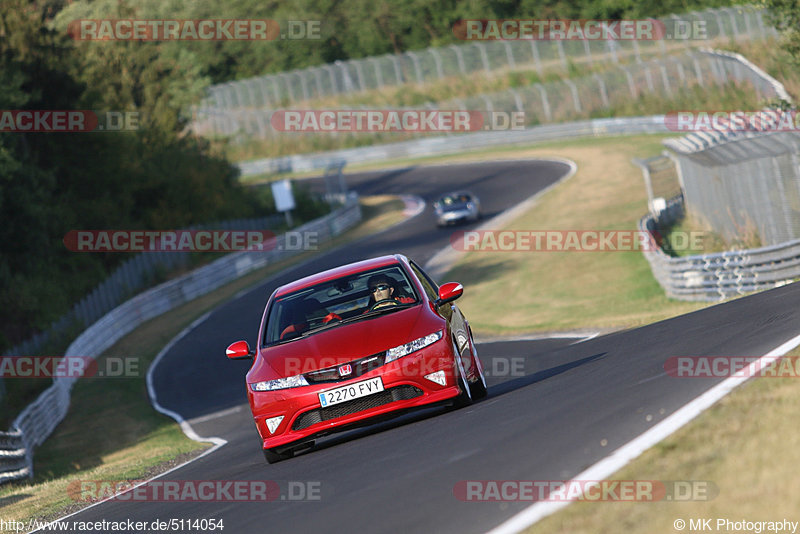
[421, 414]
[527, 380]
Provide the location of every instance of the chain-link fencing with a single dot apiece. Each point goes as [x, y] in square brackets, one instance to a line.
[541, 103]
[275, 91]
[739, 183]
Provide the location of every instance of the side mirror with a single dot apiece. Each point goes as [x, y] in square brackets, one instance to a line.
[449, 292]
[239, 351]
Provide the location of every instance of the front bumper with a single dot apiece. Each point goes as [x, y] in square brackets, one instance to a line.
[404, 384]
[453, 217]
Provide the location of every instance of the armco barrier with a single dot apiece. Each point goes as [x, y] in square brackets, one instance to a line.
[460, 143]
[727, 177]
[39, 419]
[712, 277]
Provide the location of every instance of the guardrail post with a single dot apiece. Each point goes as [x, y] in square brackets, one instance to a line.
[537, 58]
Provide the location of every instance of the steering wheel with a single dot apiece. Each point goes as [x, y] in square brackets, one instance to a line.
[384, 302]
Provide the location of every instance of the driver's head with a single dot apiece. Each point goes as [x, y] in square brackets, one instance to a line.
[381, 287]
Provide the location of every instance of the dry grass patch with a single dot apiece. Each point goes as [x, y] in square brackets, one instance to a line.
[747, 445]
[515, 292]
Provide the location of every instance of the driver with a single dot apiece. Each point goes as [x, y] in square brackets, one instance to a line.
[382, 287]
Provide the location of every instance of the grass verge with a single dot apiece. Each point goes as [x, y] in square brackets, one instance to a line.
[513, 292]
[744, 447]
[100, 441]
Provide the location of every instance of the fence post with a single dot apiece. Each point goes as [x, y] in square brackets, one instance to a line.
[417, 70]
[574, 91]
[561, 55]
[397, 74]
[545, 102]
[587, 50]
[537, 58]
[484, 57]
[510, 55]
[438, 61]
[460, 58]
[665, 79]
[378, 74]
[603, 91]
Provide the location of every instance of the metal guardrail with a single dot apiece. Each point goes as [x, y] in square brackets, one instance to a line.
[712, 277]
[737, 181]
[38, 420]
[453, 144]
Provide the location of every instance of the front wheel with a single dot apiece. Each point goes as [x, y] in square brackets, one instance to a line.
[465, 397]
[478, 388]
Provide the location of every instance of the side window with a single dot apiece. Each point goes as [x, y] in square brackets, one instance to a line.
[431, 289]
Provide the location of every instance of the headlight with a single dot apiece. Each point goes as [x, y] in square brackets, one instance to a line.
[402, 350]
[281, 383]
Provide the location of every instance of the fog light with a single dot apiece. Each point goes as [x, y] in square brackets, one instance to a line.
[437, 377]
[273, 422]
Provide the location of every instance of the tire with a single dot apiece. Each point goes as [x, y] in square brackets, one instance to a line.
[273, 456]
[465, 397]
[478, 388]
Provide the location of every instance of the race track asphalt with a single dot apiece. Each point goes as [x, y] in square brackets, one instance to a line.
[555, 406]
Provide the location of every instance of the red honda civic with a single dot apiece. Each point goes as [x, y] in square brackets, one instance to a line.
[348, 346]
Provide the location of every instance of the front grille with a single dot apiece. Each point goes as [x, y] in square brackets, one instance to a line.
[360, 367]
[318, 415]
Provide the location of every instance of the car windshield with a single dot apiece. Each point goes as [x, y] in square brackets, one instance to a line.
[454, 201]
[337, 302]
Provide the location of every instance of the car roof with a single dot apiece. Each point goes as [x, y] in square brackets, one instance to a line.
[337, 272]
[457, 194]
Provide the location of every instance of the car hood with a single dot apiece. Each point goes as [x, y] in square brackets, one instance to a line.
[347, 342]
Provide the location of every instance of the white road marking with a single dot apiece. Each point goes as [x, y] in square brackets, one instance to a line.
[622, 456]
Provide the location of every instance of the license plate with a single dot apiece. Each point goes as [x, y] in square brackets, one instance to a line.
[350, 392]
